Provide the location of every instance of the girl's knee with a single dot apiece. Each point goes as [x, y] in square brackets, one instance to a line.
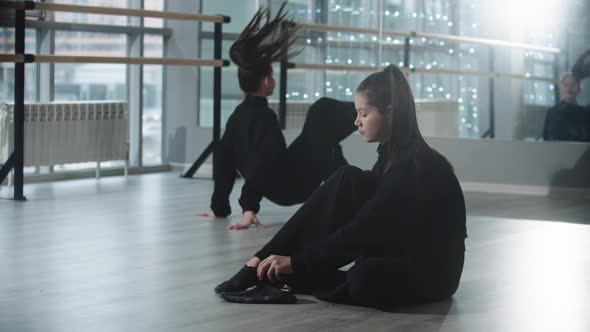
[324, 101]
[353, 178]
[324, 108]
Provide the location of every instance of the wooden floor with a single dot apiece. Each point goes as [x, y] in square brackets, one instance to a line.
[129, 255]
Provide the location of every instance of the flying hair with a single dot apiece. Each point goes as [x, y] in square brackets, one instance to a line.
[265, 40]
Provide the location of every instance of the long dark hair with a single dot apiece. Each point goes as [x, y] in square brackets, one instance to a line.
[262, 42]
[390, 92]
[581, 68]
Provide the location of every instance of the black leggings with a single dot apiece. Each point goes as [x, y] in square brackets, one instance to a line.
[315, 153]
[372, 281]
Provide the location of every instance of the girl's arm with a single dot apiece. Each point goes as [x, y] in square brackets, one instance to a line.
[225, 176]
[269, 142]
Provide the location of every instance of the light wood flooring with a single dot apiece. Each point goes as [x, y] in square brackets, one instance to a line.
[129, 255]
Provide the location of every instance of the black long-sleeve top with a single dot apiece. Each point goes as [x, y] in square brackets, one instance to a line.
[252, 144]
[567, 122]
[417, 213]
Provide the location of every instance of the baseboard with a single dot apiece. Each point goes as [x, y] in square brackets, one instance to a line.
[206, 171]
[503, 188]
[499, 188]
[91, 173]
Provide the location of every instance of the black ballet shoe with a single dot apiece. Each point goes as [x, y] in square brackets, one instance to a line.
[262, 293]
[241, 281]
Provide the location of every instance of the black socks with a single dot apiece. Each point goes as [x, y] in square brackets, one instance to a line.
[241, 281]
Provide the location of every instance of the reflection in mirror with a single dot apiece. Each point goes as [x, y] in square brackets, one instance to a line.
[567, 121]
[499, 87]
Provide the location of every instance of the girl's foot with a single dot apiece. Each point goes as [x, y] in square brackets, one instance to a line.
[241, 281]
[262, 293]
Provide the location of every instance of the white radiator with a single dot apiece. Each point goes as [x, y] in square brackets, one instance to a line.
[68, 132]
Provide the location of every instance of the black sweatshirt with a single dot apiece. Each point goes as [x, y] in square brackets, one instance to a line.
[417, 214]
[567, 122]
[252, 144]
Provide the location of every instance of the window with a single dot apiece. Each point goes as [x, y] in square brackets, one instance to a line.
[95, 82]
[90, 81]
[541, 93]
[92, 18]
[153, 5]
[7, 36]
[152, 91]
[231, 93]
[152, 112]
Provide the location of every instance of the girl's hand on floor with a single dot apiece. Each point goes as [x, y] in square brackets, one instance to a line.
[248, 219]
[273, 266]
[205, 214]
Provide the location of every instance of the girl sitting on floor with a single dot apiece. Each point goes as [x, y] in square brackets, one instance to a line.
[402, 223]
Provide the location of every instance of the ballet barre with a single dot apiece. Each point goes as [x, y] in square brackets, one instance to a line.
[20, 59]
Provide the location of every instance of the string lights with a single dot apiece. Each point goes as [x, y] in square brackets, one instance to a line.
[339, 48]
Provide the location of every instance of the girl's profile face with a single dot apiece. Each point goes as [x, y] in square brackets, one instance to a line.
[372, 124]
[269, 84]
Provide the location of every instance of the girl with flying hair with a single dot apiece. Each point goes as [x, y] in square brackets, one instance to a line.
[402, 224]
[253, 143]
